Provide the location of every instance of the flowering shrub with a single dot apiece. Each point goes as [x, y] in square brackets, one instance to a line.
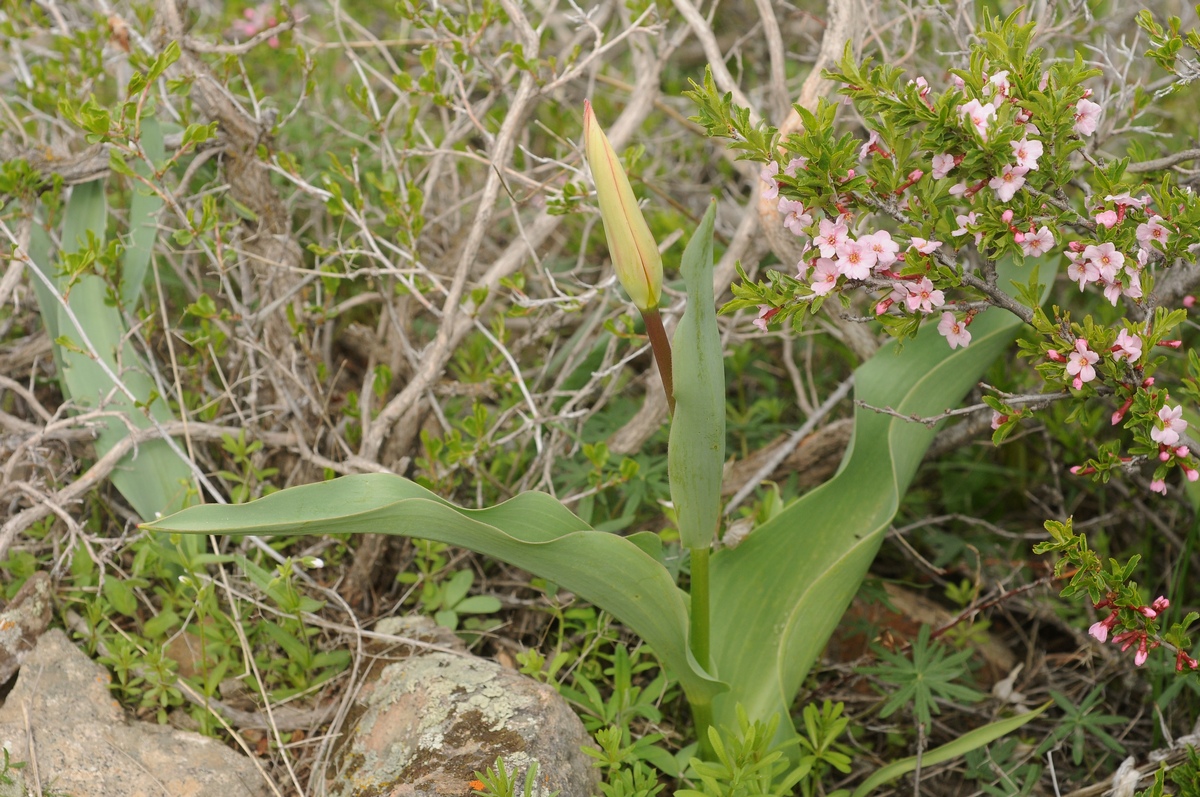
[994, 166]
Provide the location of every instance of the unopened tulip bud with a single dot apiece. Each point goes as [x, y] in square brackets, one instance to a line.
[632, 248]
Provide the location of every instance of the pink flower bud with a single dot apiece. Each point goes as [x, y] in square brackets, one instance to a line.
[1189, 301]
[1007, 216]
[1191, 473]
[1171, 344]
[1158, 486]
[1018, 236]
[1182, 452]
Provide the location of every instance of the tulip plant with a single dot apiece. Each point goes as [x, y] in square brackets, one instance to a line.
[956, 208]
[757, 615]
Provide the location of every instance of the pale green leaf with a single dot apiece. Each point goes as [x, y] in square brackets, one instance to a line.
[697, 446]
[143, 218]
[780, 594]
[532, 531]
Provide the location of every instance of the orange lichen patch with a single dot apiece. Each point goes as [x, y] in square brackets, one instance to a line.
[6, 624]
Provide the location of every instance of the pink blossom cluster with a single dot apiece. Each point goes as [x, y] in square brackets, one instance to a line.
[1135, 636]
[1103, 265]
[257, 19]
[1169, 427]
[870, 257]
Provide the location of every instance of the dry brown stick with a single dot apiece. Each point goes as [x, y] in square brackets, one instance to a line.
[12, 276]
[780, 101]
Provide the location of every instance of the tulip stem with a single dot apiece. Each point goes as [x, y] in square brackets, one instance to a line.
[699, 638]
[662, 352]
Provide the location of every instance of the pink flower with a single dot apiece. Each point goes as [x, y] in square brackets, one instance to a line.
[872, 144]
[954, 331]
[855, 260]
[1087, 116]
[924, 296]
[925, 247]
[1038, 243]
[1100, 629]
[1139, 658]
[1128, 347]
[963, 221]
[830, 236]
[770, 184]
[764, 314]
[825, 276]
[795, 219]
[1158, 486]
[1125, 199]
[881, 243]
[1082, 271]
[942, 164]
[1106, 258]
[1008, 181]
[958, 189]
[1027, 152]
[1107, 217]
[1133, 286]
[1173, 426]
[1152, 232]
[998, 420]
[795, 165]
[1080, 363]
[979, 115]
[999, 82]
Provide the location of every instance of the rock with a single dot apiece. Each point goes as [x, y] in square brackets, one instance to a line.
[85, 747]
[431, 721]
[23, 620]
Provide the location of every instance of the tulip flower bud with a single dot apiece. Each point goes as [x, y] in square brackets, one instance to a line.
[632, 248]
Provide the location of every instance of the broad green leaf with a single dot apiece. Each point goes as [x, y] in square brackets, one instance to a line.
[780, 594]
[697, 447]
[143, 218]
[532, 531]
[152, 478]
[969, 741]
